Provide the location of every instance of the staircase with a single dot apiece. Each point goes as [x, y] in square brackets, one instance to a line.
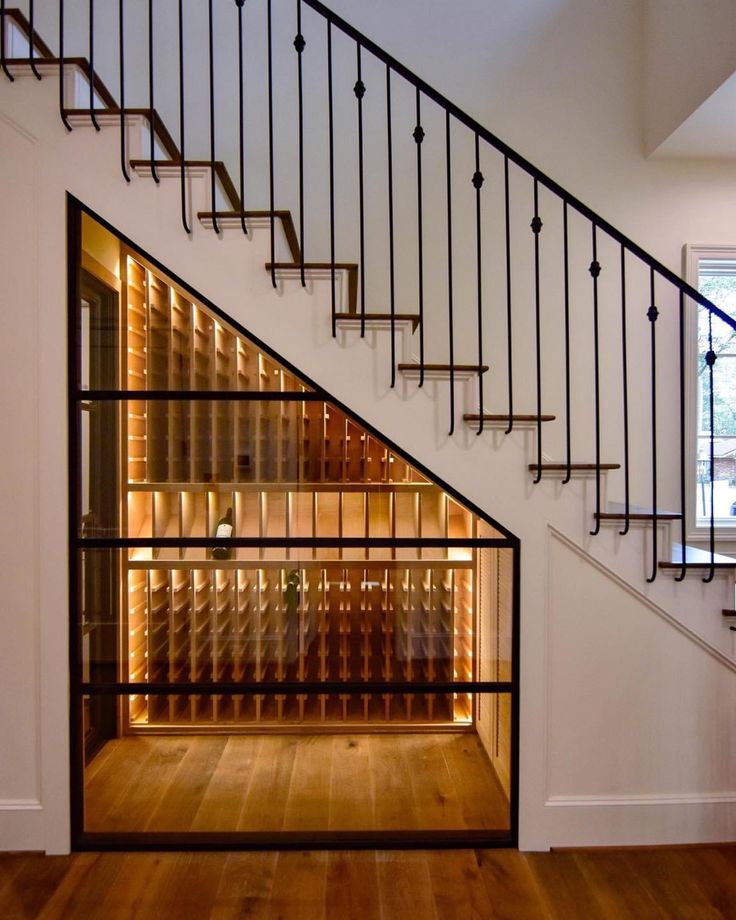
[481, 351]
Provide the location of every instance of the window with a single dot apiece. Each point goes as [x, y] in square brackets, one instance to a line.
[712, 269]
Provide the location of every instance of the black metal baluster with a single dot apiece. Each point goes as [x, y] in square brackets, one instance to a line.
[683, 499]
[330, 114]
[121, 39]
[509, 343]
[652, 314]
[182, 154]
[568, 421]
[241, 125]
[451, 329]
[299, 45]
[710, 360]
[31, 40]
[595, 270]
[62, 108]
[92, 115]
[477, 185]
[151, 111]
[625, 381]
[213, 199]
[359, 90]
[418, 136]
[272, 215]
[3, 56]
[536, 226]
[391, 265]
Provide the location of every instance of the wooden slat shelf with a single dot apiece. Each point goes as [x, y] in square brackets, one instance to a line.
[300, 469]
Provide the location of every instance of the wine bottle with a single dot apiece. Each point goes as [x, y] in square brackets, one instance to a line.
[223, 531]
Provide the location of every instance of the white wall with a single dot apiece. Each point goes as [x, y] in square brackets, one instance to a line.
[690, 51]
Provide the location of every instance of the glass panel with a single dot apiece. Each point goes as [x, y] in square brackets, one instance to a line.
[717, 280]
[162, 340]
[355, 780]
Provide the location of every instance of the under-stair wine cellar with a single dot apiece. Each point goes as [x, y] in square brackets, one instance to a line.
[345, 566]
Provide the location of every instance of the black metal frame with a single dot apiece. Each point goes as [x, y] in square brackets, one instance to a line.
[81, 839]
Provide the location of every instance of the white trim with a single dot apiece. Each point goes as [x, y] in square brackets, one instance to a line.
[666, 798]
[20, 805]
[691, 255]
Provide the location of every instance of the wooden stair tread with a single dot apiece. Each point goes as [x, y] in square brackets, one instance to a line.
[698, 559]
[445, 367]
[413, 318]
[283, 214]
[638, 516]
[350, 267]
[25, 26]
[561, 467]
[727, 612]
[475, 417]
[82, 63]
[160, 128]
[218, 165]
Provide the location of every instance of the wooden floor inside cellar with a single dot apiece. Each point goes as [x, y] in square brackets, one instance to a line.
[428, 781]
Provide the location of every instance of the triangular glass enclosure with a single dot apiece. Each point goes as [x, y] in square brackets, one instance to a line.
[226, 543]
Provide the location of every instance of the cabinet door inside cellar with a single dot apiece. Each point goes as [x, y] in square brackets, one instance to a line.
[282, 624]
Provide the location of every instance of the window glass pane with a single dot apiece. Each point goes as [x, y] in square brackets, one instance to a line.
[717, 280]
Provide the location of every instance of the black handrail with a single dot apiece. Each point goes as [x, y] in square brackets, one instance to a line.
[182, 141]
[3, 61]
[121, 55]
[32, 40]
[450, 305]
[516, 158]
[595, 270]
[92, 115]
[299, 45]
[241, 124]
[211, 61]
[477, 181]
[151, 109]
[652, 316]
[391, 264]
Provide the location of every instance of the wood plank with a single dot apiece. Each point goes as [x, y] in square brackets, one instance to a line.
[457, 886]
[618, 888]
[116, 778]
[307, 805]
[483, 802]
[562, 886]
[351, 797]
[434, 791]
[245, 886]
[29, 881]
[395, 807]
[76, 876]
[675, 891]
[140, 786]
[80, 896]
[300, 891]
[405, 886]
[511, 886]
[184, 885]
[223, 800]
[187, 785]
[352, 886]
[263, 808]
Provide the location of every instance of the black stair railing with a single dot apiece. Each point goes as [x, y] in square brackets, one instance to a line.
[438, 126]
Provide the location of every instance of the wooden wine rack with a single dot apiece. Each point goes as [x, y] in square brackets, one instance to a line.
[292, 468]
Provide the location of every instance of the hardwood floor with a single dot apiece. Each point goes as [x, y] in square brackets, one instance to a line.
[428, 781]
[697, 883]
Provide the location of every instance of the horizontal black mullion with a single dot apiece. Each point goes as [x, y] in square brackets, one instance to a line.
[290, 687]
[516, 158]
[292, 543]
[204, 395]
